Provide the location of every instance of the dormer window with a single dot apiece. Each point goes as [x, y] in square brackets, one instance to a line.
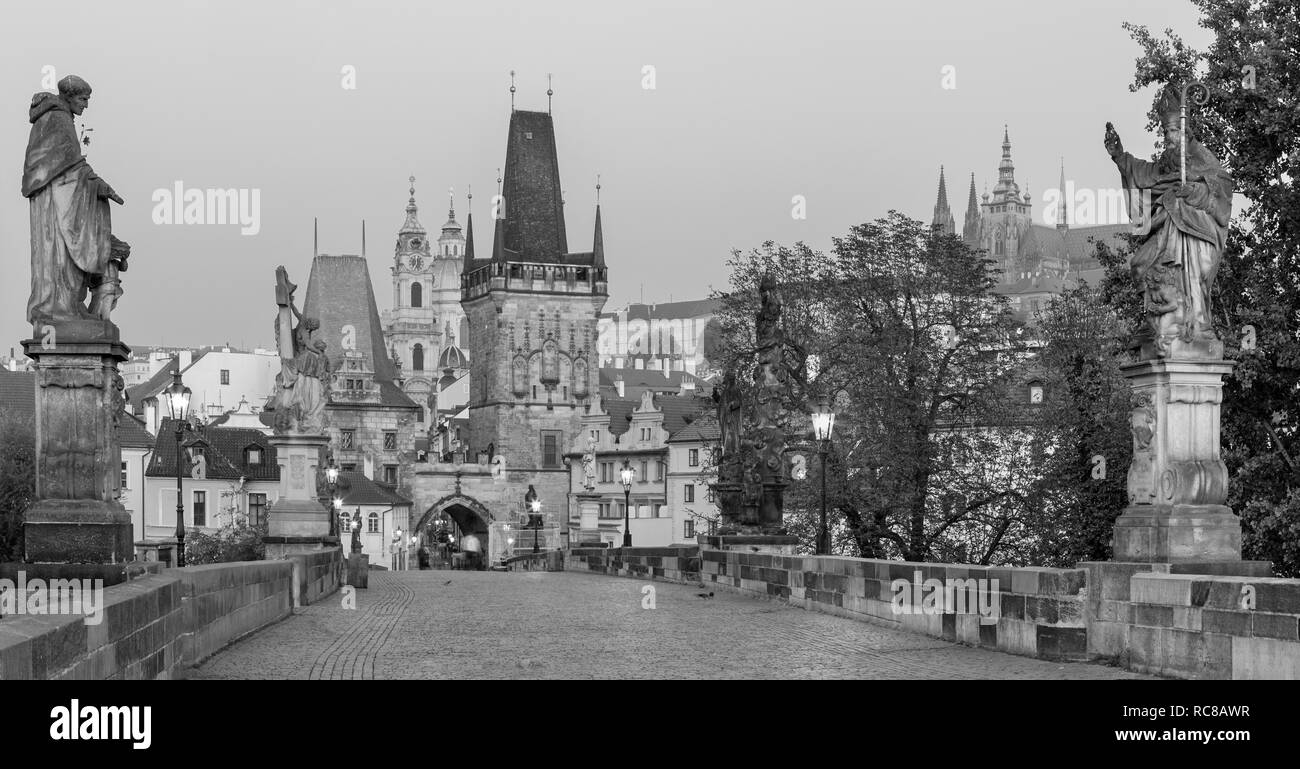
[252, 456]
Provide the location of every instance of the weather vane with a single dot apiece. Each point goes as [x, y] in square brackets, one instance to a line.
[512, 90]
[549, 93]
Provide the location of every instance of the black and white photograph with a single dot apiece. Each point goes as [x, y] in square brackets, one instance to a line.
[648, 340]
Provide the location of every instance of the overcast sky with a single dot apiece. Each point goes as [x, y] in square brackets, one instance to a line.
[754, 102]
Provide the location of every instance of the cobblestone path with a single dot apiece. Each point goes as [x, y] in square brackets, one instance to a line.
[458, 624]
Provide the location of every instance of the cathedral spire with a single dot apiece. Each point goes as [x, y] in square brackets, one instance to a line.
[970, 227]
[942, 213]
[1006, 188]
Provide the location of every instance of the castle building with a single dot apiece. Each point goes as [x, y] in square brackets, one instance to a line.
[532, 308]
[1037, 261]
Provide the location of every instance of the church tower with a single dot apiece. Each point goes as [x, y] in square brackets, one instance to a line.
[1005, 218]
[943, 220]
[532, 308]
[410, 328]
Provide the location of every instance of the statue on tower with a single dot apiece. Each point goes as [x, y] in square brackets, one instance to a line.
[1181, 205]
[73, 249]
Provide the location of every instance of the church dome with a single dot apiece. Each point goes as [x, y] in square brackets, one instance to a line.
[453, 357]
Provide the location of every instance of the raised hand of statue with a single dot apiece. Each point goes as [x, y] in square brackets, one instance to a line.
[1112, 142]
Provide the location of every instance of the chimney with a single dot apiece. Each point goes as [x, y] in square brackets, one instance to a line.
[186, 358]
[618, 385]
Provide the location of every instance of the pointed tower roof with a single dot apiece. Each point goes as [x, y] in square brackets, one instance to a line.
[971, 224]
[533, 225]
[942, 213]
[469, 233]
[598, 239]
[412, 223]
[339, 294]
[452, 227]
[1006, 187]
[1061, 222]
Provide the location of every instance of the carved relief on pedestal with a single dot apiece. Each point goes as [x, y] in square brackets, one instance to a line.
[1141, 474]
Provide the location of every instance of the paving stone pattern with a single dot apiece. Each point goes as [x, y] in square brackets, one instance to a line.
[423, 625]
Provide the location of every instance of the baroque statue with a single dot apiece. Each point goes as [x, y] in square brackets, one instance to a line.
[1180, 205]
[589, 465]
[302, 384]
[74, 252]
[772, 380]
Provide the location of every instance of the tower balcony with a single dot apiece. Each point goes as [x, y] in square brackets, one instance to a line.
[533, 277]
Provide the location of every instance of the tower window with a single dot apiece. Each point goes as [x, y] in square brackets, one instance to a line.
[550, 448]
[417, 354]
[417, 295]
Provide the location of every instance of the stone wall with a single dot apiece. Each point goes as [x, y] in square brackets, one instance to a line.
[668, 564]
[1174, 623]
[158, 624]
[1036, 612]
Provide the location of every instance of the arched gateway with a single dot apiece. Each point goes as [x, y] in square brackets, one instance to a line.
[472, 519]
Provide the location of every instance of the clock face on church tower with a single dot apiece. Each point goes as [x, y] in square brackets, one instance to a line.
[416, 262]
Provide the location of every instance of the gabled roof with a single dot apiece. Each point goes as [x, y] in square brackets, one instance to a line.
[151, 386]
[131, 432]
[699, 431]
[224, 452]
[679, 411]
[695, 308]
[356, 489]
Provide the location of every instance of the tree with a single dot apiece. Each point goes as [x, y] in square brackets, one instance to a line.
[17, 482]
[902, 325]
[1080, 440]
[1252, 121]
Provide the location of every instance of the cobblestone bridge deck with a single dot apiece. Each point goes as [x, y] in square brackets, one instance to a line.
[540, 625]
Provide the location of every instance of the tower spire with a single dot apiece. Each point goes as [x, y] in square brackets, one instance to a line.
[315, 237]
[412, 223]
[1062, 223]
[469, 231]
[943, 220]
[451, 203]
[971, 224]
[512, 90]
[549, 93]
[598, 239]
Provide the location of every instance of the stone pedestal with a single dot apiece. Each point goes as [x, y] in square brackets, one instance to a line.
[298, 513]
[1177, 482]
[77, 517]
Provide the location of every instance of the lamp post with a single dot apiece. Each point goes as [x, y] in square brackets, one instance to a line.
[626, 475]
[823, 420]
[534, 507]
[178, 403]
[332, 481]
[397, 550]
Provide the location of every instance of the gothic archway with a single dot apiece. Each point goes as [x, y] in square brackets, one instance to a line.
[470, 521]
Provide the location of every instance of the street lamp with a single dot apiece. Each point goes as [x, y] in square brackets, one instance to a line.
[626, 476]
[536, 510]
[332, 481]
[178, 403]
[397, 552]
[823, 421]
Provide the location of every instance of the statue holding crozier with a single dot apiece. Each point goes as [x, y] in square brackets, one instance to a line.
[1180, 205]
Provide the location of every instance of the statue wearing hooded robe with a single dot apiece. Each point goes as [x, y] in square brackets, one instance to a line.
[73, 250]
